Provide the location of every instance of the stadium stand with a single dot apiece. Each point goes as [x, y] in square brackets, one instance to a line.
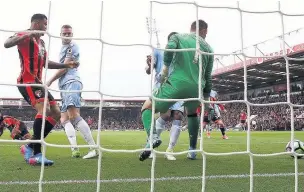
[266, 81]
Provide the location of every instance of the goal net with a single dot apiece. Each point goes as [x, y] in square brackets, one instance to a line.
[243, 54]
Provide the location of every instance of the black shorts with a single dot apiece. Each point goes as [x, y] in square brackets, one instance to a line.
[243, 121]
[214, 119]
[34, 95]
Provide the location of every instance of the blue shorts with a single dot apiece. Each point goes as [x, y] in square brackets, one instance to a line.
[178, 106]
[71, 99]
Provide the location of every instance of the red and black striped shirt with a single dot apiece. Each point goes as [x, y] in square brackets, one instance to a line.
[9, 123]
[32, 54]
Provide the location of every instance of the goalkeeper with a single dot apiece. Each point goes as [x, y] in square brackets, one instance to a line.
[182, 83]
[17, 128]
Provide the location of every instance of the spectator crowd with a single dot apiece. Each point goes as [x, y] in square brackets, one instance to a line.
[274, 117]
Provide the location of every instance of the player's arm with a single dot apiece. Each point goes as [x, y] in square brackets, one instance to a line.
[55, 65]
[148, 66]
[72, 54]
[168, 55]
[222, 107]
[17, 39]
[208, 77]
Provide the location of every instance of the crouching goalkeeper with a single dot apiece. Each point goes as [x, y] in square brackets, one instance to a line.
[17, 128]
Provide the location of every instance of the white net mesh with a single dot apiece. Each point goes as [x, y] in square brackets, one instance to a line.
[201, 150]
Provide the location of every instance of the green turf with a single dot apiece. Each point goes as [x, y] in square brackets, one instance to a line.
[127, 166]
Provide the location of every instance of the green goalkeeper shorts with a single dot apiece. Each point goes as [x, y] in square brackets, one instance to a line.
[174, 89]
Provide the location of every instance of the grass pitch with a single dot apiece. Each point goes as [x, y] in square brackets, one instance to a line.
[124, 172]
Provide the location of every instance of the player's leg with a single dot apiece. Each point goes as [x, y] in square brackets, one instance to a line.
[193, 127]
[73, 103]
[24, 131]
[206, 123]
[68, 126]
[166, 91]
[160, 122]
[218, 121]
[32, 151]
[177, 113]
[69, 130]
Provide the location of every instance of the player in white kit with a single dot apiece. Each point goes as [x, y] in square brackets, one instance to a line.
[214, 114]
[71, 102]
[175, 112]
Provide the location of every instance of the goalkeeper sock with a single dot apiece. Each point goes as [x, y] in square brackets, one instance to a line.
[160, 126]
[146, 117]
[70, 133]
[174, 133]
[84, 129]
[36, 134]
[193, 126]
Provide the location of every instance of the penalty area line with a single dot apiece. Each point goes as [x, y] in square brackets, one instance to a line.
[132, 180]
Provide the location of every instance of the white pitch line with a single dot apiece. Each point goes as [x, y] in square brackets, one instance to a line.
[182, 144]
[132, 180]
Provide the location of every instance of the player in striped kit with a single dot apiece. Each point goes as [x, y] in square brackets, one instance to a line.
[71, 102]
[16, 127]
[175, 111]
[214, 115]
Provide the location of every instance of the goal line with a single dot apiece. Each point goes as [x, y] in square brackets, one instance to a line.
[135, 180]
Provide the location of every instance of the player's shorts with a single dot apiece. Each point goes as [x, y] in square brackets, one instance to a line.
[212, 116]
[175, 89]
[178, 106]
[34, 95]
[243, 121]
[71, 99]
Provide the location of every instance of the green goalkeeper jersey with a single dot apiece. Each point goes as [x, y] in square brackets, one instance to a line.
[185, 65]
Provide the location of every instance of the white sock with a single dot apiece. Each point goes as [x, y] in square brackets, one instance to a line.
[160, 126]
[84, 129]
[174, 133]
[70, 133]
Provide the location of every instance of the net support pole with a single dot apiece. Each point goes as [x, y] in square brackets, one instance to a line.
[45, 99]
[292, 135]
[152, 184]
[101, 101]
[246, 100]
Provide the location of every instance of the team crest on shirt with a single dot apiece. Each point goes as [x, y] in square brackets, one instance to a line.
[38, 93]
[69, 52]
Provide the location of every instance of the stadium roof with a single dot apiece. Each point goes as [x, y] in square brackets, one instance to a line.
[261, 72]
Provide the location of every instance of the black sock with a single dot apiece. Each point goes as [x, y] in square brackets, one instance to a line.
[49, 125]
[223, 130]
[36, 134]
